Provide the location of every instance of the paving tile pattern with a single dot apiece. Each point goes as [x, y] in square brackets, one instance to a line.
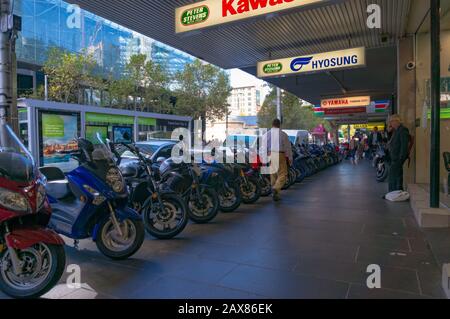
[316, 243]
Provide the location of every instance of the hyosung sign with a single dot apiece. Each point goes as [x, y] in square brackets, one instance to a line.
[342, 59]
[214, 12]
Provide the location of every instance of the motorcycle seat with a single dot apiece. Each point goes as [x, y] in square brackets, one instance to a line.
[57, 184]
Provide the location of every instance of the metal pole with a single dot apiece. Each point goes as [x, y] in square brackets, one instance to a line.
[46, 87]
[279, 110]
[435, 161]
[5, 60]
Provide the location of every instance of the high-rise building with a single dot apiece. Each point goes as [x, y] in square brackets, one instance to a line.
[55, 23]
[245, 101]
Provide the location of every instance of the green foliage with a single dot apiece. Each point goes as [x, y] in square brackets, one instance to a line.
[296, 116]
[68, 73]
[203, 91]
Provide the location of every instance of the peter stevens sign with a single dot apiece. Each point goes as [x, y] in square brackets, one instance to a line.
[209, 13]
[342, 59]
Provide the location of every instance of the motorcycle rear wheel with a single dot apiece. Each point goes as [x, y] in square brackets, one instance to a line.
[52, 257]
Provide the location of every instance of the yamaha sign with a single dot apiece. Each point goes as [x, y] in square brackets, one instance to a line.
[209, 13]
[342, 59]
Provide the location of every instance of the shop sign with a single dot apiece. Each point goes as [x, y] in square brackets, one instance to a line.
[345, 111]
[109, 119]
[346, 102]
[147, 121]
[271, 68]
[215, 12]
[173, 123]
[343, 59]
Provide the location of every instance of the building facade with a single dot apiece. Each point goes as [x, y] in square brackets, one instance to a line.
[245, 101]
[55, 23]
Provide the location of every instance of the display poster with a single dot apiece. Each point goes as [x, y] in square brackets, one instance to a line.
[93, 130]
[58, 138]
[123, 134]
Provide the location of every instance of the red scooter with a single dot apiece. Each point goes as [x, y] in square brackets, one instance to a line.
[32, 257]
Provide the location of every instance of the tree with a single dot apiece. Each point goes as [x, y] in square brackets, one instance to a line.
[68, 74]
[203, 91]
[296, 116]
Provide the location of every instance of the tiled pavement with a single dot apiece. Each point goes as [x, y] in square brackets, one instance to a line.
[317, 243]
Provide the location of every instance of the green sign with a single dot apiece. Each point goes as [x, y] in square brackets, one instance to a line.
[195, 15]
[147, 121]
[52, 126]
[273, 67]
[445, 114]
[109, 118]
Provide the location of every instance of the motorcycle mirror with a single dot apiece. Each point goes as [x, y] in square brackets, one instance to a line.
[160, 159]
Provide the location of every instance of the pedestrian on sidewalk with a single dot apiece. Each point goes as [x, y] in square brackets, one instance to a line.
[277, 146]
[398, 153]
[353, 146]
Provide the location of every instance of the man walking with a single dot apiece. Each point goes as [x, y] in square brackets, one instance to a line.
[375, 139]
[277, 146]
[398, 152]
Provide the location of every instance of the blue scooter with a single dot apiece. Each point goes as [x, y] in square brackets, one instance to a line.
[91, 202]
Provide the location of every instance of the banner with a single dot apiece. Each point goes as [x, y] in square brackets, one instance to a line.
[342, 59]
[58, 138]
[209, 13]
[346, 102]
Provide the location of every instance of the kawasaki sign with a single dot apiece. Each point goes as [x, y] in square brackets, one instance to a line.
[349, 58]
[214, 12]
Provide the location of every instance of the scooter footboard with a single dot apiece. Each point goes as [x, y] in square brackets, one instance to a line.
[22, 238]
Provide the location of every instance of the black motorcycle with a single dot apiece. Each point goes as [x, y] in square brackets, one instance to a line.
[164, 212]
[381, 164]
[221, 179]
[189, 181]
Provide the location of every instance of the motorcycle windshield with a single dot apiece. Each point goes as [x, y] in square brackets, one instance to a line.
[16, 162]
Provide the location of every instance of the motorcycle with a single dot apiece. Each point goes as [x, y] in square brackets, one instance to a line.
[164, 212]
[92, 202]
[381, 165]
[32, 257]
[189, 181]
[221, 178]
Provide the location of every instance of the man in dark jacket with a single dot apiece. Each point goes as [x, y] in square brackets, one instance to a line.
[375, 139]
[398, 151]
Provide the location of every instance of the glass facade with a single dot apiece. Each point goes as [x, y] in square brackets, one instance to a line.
[55, 23]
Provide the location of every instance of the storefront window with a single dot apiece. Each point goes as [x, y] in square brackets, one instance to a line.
[423, 96]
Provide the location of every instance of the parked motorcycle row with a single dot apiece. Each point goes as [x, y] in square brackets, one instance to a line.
[115, 203]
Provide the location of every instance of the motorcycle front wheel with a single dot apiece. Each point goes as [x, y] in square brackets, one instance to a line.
[229, 199]
[250, 190]
[202, 211]
[118, 246]
[42, 266]
[266, 186]
[168, 221]
[382, 172]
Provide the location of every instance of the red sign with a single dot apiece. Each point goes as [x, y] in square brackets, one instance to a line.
[346, 110]
[232, 7]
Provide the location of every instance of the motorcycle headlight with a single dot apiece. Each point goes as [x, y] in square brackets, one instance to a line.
[40, 197]
[13, 201]
[115, 180]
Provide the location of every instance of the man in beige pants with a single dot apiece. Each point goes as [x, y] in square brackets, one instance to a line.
[277, 146]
